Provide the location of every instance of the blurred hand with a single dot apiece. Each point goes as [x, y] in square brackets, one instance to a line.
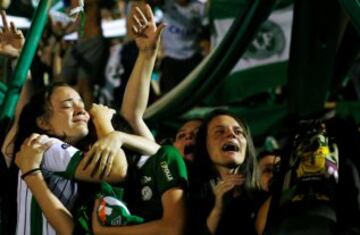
[225, 186]
[102, 154]
[11, 39]
[146, 33]
[101, 113]
[31, 152]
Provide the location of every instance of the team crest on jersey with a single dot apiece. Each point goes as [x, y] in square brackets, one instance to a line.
[65, 146]
[146, 193]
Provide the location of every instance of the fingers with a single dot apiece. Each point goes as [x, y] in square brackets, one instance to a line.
[88, 157]
[140, 21]
[109, 164]
[40, 142]
[228, 183]
[138, 13]
[4, 21]
[137, 20]
[223, 187]
[99, 162]
[31, 151]
[13, 28]
[103, 163]
[101, 109]
[31, 140]
[160, 29]
[235, 179]
[95, 162]
[148, 13]
[139, 26]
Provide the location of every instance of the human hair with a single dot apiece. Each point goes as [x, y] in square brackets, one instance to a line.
[198, 119]
[38, 106]
[202, 161]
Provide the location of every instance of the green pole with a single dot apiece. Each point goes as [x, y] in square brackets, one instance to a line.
[20, 73]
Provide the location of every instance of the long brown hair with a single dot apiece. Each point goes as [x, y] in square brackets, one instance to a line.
[205, 168]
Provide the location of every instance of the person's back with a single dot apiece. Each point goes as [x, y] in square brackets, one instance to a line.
[181, 40]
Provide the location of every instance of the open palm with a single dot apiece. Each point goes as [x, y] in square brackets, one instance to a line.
[11, 39]
[146, 33]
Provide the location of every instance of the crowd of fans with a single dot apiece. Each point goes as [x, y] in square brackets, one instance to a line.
[78, 167]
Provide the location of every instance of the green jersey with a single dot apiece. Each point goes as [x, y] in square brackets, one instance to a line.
[161, 172]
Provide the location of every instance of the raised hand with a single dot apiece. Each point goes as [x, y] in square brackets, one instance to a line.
[146, 33]
[11, 39]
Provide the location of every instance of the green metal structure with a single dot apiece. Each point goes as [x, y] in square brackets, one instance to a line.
[7, 110]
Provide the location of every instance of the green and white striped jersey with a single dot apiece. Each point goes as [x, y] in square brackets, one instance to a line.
[58, 167]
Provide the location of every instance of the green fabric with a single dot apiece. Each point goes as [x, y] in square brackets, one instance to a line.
[19, 75]
[82, 218]
[3, 89]
[73, 164]
[82, 24]
[112, 211]
[36, 218]
[349, 110]
[215, 68]
[352, 8]
[312, 57]
[220, 9]
[245, 83]
[264, 120]
[162, 171]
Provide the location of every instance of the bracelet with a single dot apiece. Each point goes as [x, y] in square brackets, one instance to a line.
[30, 172]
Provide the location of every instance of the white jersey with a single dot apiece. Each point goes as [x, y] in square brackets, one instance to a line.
[58, 167]
[180, 36]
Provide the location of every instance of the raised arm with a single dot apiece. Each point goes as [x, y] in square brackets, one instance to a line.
[11, 43]
[102, 115]
[28, 159]
[147, 38]
[11, 39]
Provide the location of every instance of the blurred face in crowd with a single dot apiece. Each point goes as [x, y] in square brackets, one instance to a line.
[66, 117]
[226, 142]
[185, 138]
[267, 167]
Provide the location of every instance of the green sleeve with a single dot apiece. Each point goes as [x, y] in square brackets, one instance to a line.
[170, 169]
[73, 164]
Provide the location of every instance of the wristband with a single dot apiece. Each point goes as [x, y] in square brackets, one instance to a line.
[30, 172]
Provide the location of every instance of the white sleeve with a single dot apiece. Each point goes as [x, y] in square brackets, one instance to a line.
[58, 156]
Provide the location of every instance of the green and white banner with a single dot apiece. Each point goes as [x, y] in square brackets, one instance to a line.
[263, 66]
